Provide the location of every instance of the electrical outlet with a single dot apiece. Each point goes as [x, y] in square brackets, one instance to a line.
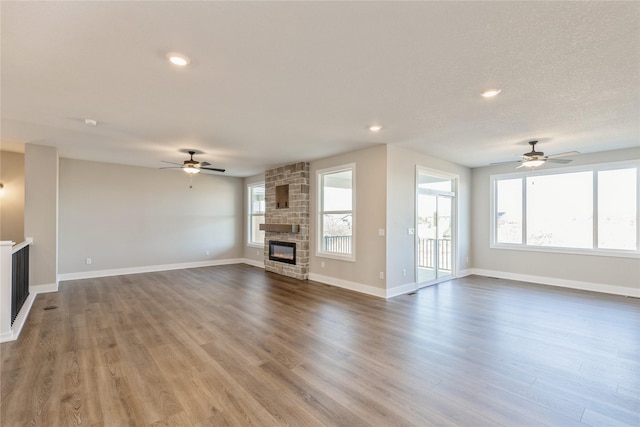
[87, 261]
[207, 252]
[322, 264]
[381, 232]
[381, 275]
[411, 231]
[404, 272]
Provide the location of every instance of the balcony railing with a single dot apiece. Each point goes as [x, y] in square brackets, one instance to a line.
[427, 249]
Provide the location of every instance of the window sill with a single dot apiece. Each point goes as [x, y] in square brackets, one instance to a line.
[568, 251]
[348, 258]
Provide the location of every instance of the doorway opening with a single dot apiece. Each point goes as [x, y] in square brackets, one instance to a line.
[435, 235]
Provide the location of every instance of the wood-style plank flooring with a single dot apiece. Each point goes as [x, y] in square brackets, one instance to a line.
[233, 345]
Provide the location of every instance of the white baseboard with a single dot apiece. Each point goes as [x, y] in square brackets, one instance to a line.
[345, 284]
[464, 273]
[365, 289]
[43, 289]
[563, 283]
[23, 314]
[401, 290]
[252, 262]
[146, 269]
[21, 319]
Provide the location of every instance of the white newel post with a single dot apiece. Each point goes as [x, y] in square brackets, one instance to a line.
[6, 265]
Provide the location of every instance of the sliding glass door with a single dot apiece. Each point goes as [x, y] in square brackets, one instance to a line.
[435, 228]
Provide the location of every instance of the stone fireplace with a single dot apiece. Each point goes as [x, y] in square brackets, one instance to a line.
[287, 220]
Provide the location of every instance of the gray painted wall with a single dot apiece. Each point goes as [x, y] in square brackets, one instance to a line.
[604, 270]
[126, 217]
[41, 212]
[371, 190]
[401, 211]
[12, 201]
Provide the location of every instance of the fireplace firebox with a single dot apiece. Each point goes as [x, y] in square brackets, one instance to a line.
[282, 252]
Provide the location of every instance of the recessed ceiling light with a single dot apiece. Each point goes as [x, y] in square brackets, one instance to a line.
[375, 128]
[178, 59]
[90, 122]
[490, 93]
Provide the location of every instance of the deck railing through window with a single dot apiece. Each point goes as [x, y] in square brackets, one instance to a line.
[337, 244]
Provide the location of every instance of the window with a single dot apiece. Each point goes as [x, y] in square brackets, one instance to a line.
[336, 212]
[617, 209]
[509, 210]
[560, 210]
[587, 209]
[256, 213]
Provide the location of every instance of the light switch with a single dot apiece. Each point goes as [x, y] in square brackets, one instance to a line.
[381, 232]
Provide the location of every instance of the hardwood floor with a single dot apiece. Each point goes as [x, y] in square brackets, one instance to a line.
[234, 345]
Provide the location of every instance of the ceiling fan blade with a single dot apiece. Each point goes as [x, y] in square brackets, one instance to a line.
[568, 153]
[554, 160]
[533, 157]
[504, 163]
[213, 169]
[171, 167]
[171, 163]
[202, 164]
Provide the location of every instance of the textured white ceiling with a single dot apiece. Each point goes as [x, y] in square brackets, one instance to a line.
[278, 82]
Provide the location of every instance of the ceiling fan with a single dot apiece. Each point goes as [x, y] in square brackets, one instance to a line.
[192, 166]
[533, 158]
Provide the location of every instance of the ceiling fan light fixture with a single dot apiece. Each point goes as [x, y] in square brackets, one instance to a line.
[191, 169]
[375, 128]
[533, 163]
[191, 166]
[490, 93]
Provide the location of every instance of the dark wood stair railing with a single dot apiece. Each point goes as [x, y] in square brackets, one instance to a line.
[15, 298]
[19, 280]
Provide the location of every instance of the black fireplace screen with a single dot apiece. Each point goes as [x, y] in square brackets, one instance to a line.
[282, 252]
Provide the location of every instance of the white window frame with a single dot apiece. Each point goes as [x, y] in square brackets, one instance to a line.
[320, 174]
[594, 168]
[251, 214]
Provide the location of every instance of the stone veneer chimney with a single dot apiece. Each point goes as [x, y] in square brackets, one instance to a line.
[296, 176]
